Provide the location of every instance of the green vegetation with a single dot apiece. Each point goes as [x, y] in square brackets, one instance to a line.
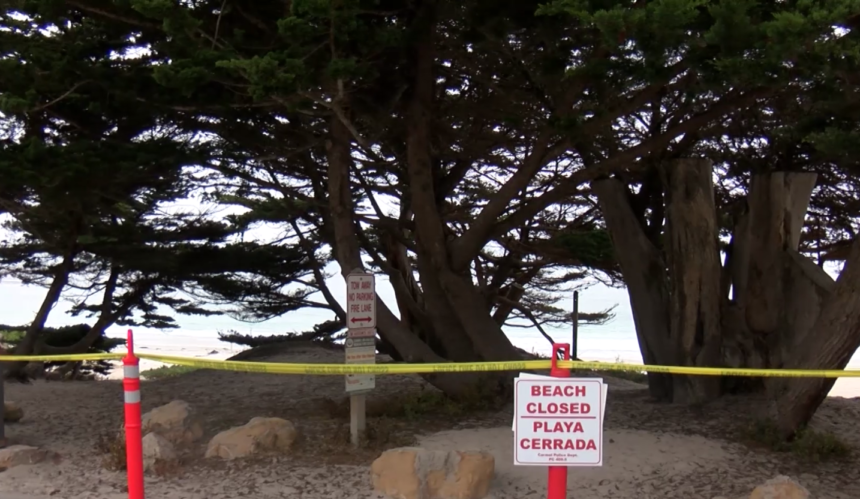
[112, 448]
[164, 372]
[11, 337]
[806, 444]
[431, 403]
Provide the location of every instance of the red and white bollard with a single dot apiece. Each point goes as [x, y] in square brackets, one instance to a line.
[133, 436]
[556, 484]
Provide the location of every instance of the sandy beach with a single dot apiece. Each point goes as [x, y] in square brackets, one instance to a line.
[652, 450]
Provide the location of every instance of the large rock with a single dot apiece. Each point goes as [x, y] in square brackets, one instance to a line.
[157, 449]
[17, 455]
[258, 436]
[414, 473]
[175, 421]
[12, 413]
[781, 487]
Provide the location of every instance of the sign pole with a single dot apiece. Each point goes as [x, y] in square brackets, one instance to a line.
[357, 418]
[557, 480]
[360, 347]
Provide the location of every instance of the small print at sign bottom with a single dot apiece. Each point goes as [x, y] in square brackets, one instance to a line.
[360, 349]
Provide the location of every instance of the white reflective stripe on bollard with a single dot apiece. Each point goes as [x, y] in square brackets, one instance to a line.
[131, 371]
[132, 397]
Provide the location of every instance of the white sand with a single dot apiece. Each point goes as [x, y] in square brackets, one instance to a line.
[635, 462]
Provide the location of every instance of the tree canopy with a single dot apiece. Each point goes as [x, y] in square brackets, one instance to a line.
[485, 156]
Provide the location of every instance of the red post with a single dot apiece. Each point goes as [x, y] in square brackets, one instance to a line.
[133, 436]
[556, 486]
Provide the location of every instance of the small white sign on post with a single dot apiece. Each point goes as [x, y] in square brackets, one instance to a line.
[360, 301]
[360, 346]
[558, 421]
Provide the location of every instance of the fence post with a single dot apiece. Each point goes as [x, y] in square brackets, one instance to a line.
[133, 436]
[556, 486]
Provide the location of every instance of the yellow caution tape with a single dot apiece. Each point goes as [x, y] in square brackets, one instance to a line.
[448, 367]
[61, 358]
[714, 371]
[530, 365]
[341, 369]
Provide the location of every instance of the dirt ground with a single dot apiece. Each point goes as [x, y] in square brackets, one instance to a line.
[652, 450]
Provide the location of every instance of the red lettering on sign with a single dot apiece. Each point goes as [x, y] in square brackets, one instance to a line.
[558, 427]
[564, 408]
[558, 391]
[557, 444]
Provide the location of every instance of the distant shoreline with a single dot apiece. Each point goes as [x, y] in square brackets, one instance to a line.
[594, 346]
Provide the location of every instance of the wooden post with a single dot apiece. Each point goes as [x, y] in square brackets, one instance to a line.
[357, 418]
[574, 341]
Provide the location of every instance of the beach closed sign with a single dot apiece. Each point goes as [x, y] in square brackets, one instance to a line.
[558, 421]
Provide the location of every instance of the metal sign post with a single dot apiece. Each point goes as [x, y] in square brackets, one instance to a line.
[360, 347]
[558, 422]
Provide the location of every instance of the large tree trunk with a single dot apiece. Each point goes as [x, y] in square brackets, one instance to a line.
[784, 311]
[644, 273]
[30, 342]
[759, 321]
[675, 299]
[58, 283]
[454, 304]
[789, 313]
[694, 275]
[831, 342]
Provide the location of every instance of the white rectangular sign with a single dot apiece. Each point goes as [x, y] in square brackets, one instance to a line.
[603, 394]
[360, 348]
[360, 301]
[558, 422]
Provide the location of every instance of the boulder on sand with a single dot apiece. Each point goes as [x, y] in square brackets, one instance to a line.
[781, 487]
[12, 413]
[18, 455]
[415, 473]
[156, 449]
[176, 422]
[258, 436]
